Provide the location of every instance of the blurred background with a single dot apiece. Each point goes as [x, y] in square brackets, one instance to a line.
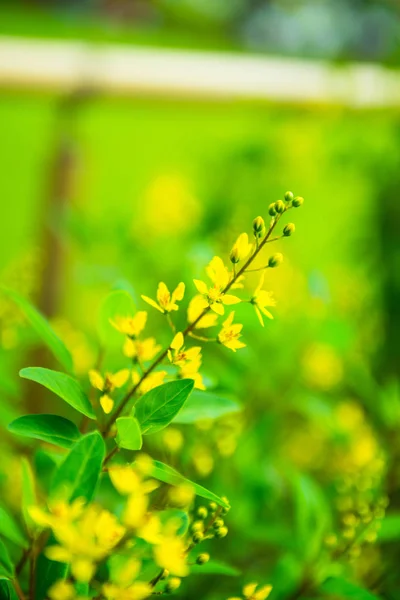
[138, 139]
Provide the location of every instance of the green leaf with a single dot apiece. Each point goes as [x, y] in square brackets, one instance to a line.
[205, 405]
[7, 590]
[10, 530]
[6, 566]
[50, 571]
[48, 428]
[215, 567]
[118, 303]
[78, 474]
[390, 529]
[28, 492]
[339, 587]
[156, 409]
[63, 385]
[43, 329]
[168, 474]
[129, 435]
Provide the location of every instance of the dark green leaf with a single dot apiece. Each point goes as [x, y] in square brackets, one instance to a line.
[205, 405]
[129, 435]
[48, 428]
[43, 329]
[118, 303]
[167, 474]
[341, 588]
[156, 409]
[63, 385]
[10, 530]
[6, 566]
[7, 590]
[50, 571]
[78, 474]
[215, 567]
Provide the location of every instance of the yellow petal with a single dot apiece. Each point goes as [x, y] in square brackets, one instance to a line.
[249, 589]
[58, 553]
[163, 295]
[82, 569]
[263, 592]
[106, 403]
[259, 315]
[229, 320]
[178, 341]
[179, 292]
[96, 379]
[120, 378]
[129, 348]
[200, 286]
[152, 303]
[266, 312]
[124, 479]
[217, 308]
[228, 299]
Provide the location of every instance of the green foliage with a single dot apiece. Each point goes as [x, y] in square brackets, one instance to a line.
[48, 428]
[78, 474]
[215, 567]
[6, 566]
[65, 386]
[129, 435]
[338, 587]
[206, 405]
[156, 409]
[29, 497]
[10, 530]
[118, 303]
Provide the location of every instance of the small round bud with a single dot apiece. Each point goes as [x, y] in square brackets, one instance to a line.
[258, 225]
[198, 537]
[234, 256]
[289, 229]
[202, 512]
[298, 201]
[197, 526]
[202, 559]
[271, 209]
[213, 506]
[221, 532]
[172, 584]
[279, 206]
[275, 260]
[288, 196]
[218, 523]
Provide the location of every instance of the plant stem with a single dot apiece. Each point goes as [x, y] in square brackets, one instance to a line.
[189, 328]
[110, 455]
[18, 590]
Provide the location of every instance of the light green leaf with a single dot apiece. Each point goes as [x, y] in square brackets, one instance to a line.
[129, 435]
[63, 385]
[118, 303]
[168, 474]
[10, 529]
[6, 566]
[342, 588]
[78, 474]
[215, 567]
[43, 329]
[156, 409]
[205, 405]
[28, 492]
[48, 428]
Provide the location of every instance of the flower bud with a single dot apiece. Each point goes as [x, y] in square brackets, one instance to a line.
[258, 225]
[198, 537]
[197, 526]
[213, 506]
[279, 206]
[289, 229]
[275, 260]
[288, 196]
[271, 209]
[218, 523]
[221, 532]
[172, 584]
[202, 559]
[298, 201]
[234, 255]
[202, 512]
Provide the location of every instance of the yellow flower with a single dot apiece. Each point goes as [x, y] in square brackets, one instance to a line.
[166, 302]
[142, 350]
[137, 591]
[107, 385]
[241, 248]
[152, 381]
[181, 356]
[131, 326]
[250, 592]
[261, 299]
[214, 296]
[128, 481]
[62, 590]
[230, 334]
[195, 308]
[190, 371]
[170, 553]
[60, 513]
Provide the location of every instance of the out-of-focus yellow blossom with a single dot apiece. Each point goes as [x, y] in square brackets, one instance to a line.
[181, 495]
[203, 460]
[166, 302]
[107, 385]
[150, 382]
[322, 367]
[60, 513]
[195, 308]
[62, 590]
[261, 299]
[214, 296]
[170, 553]
[182, 355]
[250, 592]
[191, 371]
[230, 334]
[142, 350]
[241, 248]
[130, 326]
[136, 591]
[173, 439]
